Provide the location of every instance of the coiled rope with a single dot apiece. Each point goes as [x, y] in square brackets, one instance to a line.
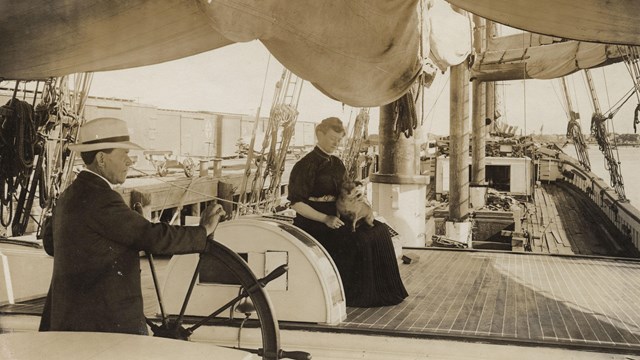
[17, 139]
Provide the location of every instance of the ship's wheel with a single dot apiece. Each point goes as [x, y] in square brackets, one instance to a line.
[252, 288]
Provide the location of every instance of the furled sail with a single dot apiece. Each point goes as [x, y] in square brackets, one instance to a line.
[604, 21]
[361, 52]
[557, 59]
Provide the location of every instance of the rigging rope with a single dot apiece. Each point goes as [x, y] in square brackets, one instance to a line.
[18, 135]
[186, 189]
[599, 131]
[631, 62]
[61, 109]
[354, 142]
[524, 91]
[574, 130]
[17, 149]
[270, 160]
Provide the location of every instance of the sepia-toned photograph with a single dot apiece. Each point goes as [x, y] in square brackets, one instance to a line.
[327, 180]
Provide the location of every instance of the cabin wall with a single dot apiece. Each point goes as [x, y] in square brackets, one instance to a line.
[549, 169]
[520, 173]
[625, 216]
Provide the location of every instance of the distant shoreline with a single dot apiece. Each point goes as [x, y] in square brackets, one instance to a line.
[637, 144]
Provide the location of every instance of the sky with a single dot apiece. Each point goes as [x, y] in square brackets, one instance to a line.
[232, 79]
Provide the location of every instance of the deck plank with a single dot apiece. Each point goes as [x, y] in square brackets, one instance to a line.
[497, 295]
[557, 299]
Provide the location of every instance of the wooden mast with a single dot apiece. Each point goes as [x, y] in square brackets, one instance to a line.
[399, 190]
[457, 228]
[459, 143]
[479, 112]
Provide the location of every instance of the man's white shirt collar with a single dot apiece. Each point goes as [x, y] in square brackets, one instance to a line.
[100, 176]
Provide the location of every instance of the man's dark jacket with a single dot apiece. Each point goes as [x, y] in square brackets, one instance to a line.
[96, 239]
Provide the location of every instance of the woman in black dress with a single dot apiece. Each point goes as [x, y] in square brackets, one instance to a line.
[365, 259]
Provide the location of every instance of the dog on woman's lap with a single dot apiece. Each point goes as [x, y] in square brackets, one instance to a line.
[352, 205]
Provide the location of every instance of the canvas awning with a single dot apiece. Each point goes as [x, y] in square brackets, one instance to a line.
[604, 21]
[361, 52]
[544, 61]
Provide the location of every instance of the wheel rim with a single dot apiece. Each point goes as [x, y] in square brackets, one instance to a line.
[268, 323]
[233, 263]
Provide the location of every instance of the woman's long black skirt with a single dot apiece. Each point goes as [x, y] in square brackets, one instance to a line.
[365, 259]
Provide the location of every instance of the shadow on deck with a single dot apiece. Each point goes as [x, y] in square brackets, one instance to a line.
[573, 302]
[497, 297]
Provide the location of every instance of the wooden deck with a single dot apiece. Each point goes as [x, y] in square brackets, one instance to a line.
[577, 302]
[582, 302]
[557, 299]
[564, 221]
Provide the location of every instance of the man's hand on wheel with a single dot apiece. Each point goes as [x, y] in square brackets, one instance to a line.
[211, 217]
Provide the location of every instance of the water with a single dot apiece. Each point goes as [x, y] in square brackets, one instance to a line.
[629, 163]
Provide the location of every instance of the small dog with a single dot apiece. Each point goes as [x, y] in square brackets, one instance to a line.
[352, 204]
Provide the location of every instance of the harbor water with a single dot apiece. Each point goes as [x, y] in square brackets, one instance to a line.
[629, 158]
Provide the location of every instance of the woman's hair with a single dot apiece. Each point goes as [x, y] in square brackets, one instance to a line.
[331, 123]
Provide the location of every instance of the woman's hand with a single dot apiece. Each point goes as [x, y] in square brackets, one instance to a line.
[333, 222]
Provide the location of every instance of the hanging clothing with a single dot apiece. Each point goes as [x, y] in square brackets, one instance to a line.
[365, 259]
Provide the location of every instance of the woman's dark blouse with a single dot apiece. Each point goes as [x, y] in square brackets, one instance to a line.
[316, 174]
[365, 259]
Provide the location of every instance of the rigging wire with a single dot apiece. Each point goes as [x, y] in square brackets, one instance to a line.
[574, 130]
[606, 88]
[575, 90]
[524, 90]
[561, 100]
[282, 116]
[583, 143]
[250, 150]
[422, 57]
[436, 102]
[586, 89]
[61, 108]
[504, 100]
[357, 135]
[631, 62]
[600, 132]
[613, 129]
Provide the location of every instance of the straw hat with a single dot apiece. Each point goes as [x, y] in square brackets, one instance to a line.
[104, 133]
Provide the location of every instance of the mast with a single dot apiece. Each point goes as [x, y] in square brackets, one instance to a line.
[459, 143]
[398, 188]
[457, 227]
[479, 112]
[490, 89]
[592, 91]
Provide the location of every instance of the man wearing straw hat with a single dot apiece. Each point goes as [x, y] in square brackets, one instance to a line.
[96, 238]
